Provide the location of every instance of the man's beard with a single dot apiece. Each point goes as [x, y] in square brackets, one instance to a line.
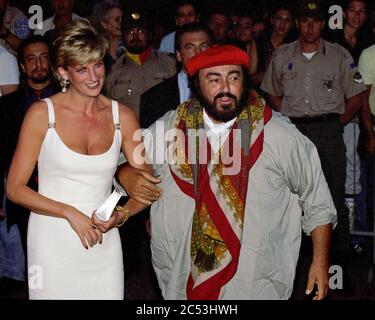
[225, 112]
[136, 47]
[42, 78]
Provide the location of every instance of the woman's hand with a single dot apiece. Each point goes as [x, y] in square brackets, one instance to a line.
[83, 226]
[139, 184]
[105, 226]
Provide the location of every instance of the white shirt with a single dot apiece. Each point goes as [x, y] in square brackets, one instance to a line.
[309, 55]
[183, 86]
[10, 73]
[217, 132]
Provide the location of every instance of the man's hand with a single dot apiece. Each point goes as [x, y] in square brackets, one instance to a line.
[2, 216]
[139, 184]
[318, 275]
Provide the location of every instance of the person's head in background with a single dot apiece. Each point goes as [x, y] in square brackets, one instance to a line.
[34, 61]
[77, 59]
[219, 22]
[259, 27]
[245, 27]
[191, 39]
[186, 12]
[136, 33]
[282, 20]
[234, 19]
[62, 8]
[310, 20]
[355, 14]
[107, 16]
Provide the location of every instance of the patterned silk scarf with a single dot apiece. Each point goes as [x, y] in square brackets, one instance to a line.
[219, 191]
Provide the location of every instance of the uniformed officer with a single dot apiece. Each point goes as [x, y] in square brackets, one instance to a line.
[315, 82]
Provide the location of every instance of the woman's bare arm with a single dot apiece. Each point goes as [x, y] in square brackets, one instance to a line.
[33, 131]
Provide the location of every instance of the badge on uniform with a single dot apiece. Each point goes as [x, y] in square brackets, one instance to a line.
[328, 85]
[312, 6]
[357, 78]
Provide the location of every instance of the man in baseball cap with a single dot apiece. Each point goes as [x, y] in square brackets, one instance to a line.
[228, 225]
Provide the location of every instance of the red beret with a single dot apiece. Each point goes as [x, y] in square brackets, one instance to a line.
[218, 55]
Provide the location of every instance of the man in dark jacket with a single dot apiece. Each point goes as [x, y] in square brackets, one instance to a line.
[190, 40]
[37, 84]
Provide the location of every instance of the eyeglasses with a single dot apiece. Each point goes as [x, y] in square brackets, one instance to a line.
[136, 31]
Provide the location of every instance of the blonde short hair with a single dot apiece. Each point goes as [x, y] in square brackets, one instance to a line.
[78, 44]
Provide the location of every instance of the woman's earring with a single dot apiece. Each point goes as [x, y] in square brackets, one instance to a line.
[64, 85]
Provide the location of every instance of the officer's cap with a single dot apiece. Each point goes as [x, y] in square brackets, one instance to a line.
[134, 20]
[310, 9]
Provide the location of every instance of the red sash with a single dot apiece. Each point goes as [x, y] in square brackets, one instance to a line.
[220, 198]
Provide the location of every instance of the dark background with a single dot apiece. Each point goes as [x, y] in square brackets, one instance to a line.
[162, 10]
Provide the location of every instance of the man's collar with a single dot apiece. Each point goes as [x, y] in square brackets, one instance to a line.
[139, 58]
[321, 47]
[217, 128]
[183, 75]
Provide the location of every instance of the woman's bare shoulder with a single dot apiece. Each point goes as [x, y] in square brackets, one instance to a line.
[36, 118]
[38, 111]
[126, 112]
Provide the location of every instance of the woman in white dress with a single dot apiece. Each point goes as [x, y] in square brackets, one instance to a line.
[75, 137]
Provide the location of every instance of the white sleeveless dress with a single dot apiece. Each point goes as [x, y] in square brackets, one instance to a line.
[59, 266]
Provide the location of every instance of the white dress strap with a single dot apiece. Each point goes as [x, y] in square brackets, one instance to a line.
[115, 114]
[51, 113]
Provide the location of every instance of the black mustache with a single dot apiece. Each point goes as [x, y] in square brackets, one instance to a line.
[222, 95]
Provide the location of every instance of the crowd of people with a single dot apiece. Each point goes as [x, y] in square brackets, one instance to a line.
[272, 122]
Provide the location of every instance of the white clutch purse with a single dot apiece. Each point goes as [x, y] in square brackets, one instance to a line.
[105, 210]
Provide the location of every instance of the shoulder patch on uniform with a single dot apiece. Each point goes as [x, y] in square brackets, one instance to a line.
[357, 78]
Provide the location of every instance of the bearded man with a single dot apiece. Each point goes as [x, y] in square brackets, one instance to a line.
[228, 225]
[38, 84]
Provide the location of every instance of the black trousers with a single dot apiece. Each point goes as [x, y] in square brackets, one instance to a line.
[327, 135]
